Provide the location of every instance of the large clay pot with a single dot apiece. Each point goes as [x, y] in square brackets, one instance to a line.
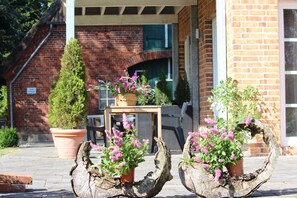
[129, 177]
[235, 169]
[67, 141]
[128, 99]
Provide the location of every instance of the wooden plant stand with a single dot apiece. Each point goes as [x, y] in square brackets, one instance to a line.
[87, 182]
[202, 183]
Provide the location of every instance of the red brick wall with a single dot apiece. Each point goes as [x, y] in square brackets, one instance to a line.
[253, 54]
[107, 50]
[206, 13]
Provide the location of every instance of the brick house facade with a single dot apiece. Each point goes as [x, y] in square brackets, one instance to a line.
[253, 56]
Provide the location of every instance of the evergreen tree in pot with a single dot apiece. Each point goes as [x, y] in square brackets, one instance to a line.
[68, 102]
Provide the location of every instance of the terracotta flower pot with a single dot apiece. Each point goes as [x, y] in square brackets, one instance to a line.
[235, 169]
[67, 141]
[129, 177]
[128, 99]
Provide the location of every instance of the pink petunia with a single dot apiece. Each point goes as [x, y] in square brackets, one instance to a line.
[218, 174]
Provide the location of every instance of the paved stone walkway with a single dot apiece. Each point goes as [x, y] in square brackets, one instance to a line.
[51, 174]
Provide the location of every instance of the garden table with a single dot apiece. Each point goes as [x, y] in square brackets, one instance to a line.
[153, 109]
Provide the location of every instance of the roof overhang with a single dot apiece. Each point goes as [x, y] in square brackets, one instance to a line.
[128, 12]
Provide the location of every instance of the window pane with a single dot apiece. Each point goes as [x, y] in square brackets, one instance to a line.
[290, 56]
[102, 104]
[102, 93]
[291, 122]
[291, 93]
[290, 23]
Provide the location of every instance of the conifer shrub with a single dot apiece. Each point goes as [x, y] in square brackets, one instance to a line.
[182, 92]
[68, 97]
[162, 93]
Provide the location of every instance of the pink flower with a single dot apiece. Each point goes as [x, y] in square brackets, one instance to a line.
[218, 174]
[221, 160]
[117, 132]
[210, 121]
[96, 147]
[126, 124]
[204, 150]
[223, 135]
[248, 120]
[136, 143]
[206, 166]
[120, 165]
[146, 141]
[232, 156]
[108, 134]
[197, 159]
[215, 130]
[230, 135]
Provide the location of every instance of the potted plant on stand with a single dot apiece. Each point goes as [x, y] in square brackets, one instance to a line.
[126, 89]
[219, 144]
[68, 102]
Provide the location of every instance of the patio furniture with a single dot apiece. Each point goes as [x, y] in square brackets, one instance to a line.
[178, 129]
[95, 123]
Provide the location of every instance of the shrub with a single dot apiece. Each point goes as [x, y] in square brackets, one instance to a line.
[182, 92]
[68, 98]
[8, 137]
[162, 93]
[3, 102]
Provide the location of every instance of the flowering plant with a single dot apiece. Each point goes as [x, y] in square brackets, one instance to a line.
[220, 142]
[124, 152]
[126, 84]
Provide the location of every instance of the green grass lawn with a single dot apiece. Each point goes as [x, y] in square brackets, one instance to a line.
[4, 151]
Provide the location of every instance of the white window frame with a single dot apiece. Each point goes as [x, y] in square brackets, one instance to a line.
[285, 141]
[109, 101]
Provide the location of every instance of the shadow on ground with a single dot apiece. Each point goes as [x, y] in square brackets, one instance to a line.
[40, 193]
[280, 192]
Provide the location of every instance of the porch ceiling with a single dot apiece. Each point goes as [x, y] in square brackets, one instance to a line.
[128, 12]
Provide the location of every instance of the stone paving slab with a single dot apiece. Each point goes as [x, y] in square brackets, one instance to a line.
[51, 174]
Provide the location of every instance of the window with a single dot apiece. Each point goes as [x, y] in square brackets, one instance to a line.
[105, 98]
[288, 50]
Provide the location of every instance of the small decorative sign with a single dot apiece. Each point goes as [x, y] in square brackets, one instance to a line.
[31, 90]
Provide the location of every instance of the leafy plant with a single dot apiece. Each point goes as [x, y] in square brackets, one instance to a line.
[8, 137]
[182, 92]
[68, 98]
[239, 105]
[220, 142]
[162, 93]
[3, 102]
[125, 151]
[143, 99]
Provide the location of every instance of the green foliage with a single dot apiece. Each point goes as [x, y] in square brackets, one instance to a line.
[143, 99]
[68, 98]
[162, 93]
[240, 106]
[8, 137]
[3, 102]
[17, 17]
[182, 92]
